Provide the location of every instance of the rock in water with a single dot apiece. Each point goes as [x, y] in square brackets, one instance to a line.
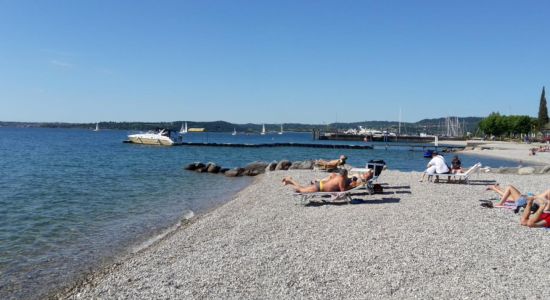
[213, 168]
[256, 167]
[302, 165]
[234, 172]
[194, 166]
[283, 165]
[271, 167]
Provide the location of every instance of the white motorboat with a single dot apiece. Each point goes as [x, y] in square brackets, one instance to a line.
[263, 129]
[161, 137]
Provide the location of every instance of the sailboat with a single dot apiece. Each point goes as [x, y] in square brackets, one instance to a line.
[263, 129]
[183, 130]
[281, 132]
[234, 132]
[96, 127]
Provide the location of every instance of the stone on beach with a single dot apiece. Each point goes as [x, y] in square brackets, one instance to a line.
[526, 171]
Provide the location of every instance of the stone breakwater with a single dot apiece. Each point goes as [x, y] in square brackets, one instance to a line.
[251, 169]
[416, 240]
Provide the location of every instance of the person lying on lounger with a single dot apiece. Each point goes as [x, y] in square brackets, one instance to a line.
[331, 164]
[540, 218]
[512, 194]
[335, 182]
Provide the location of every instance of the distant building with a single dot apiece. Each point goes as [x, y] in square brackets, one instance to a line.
[196, 130]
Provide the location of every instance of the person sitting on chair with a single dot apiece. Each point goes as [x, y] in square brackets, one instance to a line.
[335, 182]
[456, 165]
[331, 164]
[437, 165]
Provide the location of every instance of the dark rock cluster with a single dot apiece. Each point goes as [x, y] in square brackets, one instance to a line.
[251, 169]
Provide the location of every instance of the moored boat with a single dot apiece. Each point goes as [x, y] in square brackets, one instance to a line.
[161, 137]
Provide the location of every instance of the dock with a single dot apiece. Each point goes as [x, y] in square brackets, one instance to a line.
[410, 147]
[266, 145]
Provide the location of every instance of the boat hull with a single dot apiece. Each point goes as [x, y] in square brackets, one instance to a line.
[162, 141]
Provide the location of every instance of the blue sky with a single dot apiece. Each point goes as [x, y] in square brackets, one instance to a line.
[270, 61]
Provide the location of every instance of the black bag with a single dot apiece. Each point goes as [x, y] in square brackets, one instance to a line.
[377, 189]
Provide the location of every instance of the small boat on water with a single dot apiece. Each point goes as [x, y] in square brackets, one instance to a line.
[161, 137]
[263, 129]
[234, 132]
[96, 127]
[281, 132]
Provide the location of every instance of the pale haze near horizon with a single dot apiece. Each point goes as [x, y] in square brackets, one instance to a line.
[270, 62]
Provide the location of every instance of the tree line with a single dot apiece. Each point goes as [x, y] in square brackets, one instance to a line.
[516, 125]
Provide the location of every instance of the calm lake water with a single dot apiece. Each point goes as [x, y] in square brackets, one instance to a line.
[74, 199]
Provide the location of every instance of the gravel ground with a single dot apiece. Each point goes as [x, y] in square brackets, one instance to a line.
[417, 240]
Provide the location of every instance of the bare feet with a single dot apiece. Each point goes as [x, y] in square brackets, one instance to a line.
[286, 180]
[491, 187]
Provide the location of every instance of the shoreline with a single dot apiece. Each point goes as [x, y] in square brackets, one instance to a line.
[140, 245]
[512, 151]
[260, 244]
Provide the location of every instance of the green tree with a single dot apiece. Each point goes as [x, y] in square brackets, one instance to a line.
[543, 111]
[494, 124]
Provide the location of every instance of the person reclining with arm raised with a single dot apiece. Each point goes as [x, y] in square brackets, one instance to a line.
[540, 218]
[331, 164]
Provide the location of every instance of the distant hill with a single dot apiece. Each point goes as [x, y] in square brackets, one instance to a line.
[428, 126]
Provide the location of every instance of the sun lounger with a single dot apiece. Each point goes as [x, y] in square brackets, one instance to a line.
[327, 197]
[466, 175]
[345, 196]
[377, 167]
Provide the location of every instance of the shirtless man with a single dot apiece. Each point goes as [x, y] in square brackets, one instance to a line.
[541, 218]
[335, 182]
[512, 194]
[331, 164]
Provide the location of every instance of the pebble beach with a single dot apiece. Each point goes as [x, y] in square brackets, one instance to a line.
[415, 240]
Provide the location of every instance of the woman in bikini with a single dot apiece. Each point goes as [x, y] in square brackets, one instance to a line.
[512, 194]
